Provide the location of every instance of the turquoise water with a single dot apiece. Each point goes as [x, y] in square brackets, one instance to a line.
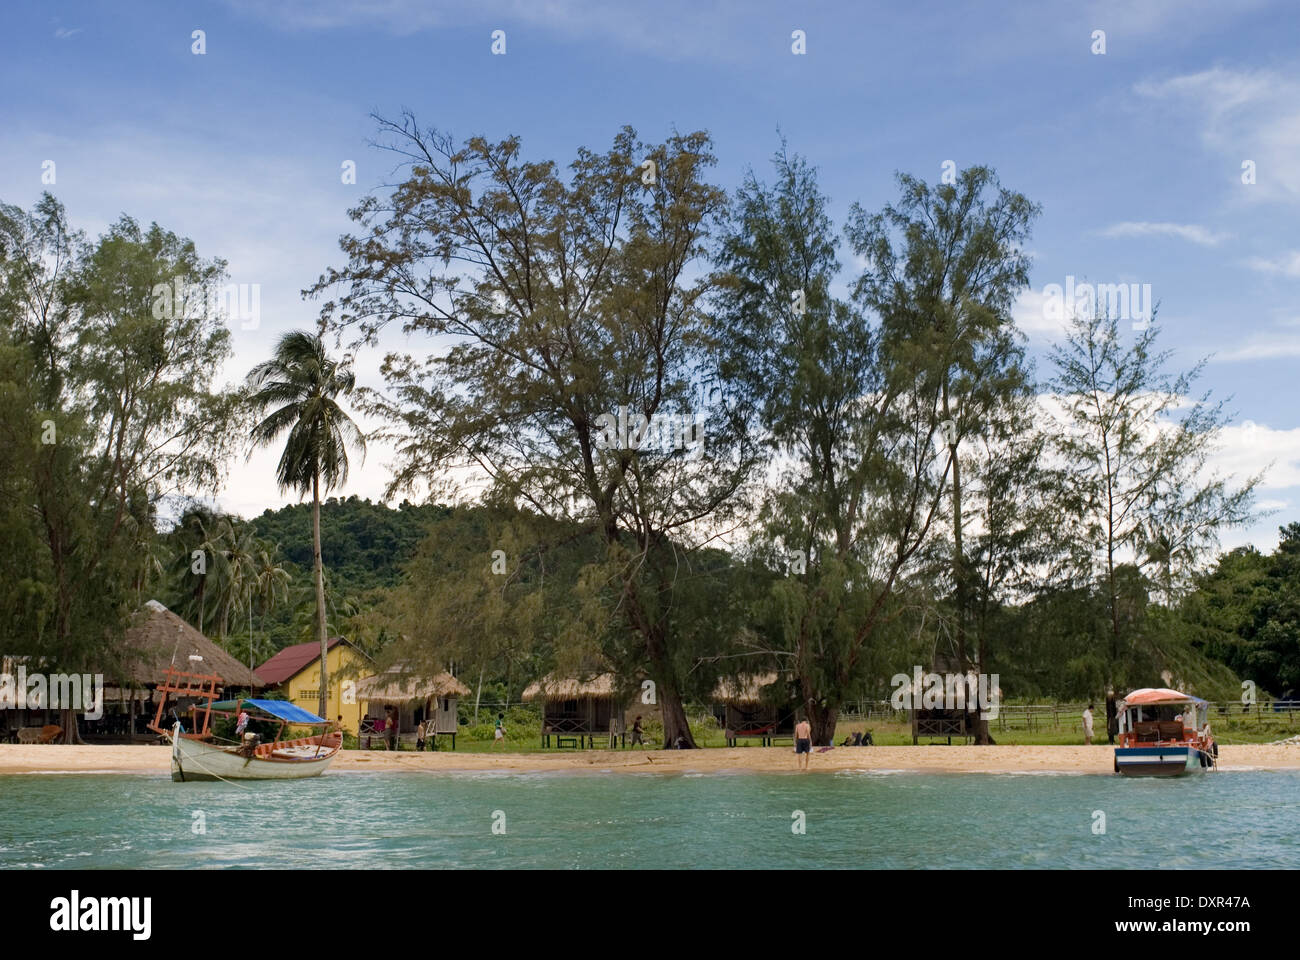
[853, 819]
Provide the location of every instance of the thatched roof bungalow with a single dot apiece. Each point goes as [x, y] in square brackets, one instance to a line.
[577, 710]
[158, 639]
[423, 703]
[753, 707]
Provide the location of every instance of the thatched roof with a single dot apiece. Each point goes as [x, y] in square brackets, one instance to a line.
[744, 689]
[399, 685]
[158, 638]
[551, 687]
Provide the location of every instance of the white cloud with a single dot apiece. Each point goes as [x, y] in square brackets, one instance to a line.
[1032, 317]
[1249, 448]
[1124, 19]
[1244, 115]
[1191, 232]
[1287, 264]
[671, 28]
[1263, 347]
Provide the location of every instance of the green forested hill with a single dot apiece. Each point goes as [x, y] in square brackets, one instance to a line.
[364, 545]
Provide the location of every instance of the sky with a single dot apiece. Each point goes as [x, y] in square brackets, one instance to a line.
[1164, 149]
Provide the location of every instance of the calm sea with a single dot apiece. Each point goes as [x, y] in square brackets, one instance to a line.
[877, 819]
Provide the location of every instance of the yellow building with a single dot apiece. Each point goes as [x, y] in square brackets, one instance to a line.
[295, 672]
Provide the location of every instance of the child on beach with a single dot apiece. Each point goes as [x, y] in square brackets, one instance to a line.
[499, 736]
[1087, 726]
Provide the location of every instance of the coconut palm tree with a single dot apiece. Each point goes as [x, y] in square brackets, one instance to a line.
[272, 586]
[299, 385]
[239, 574]
[196, 564]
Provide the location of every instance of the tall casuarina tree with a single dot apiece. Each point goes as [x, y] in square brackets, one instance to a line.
[299, 385]
[1138, 444]
[571, 309]
[951, 257]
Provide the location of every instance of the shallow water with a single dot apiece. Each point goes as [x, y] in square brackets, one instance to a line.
[853, 819]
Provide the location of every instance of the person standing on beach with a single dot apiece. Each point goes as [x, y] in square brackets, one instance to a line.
[637, 737]
[1087, 726]
[390, 727]
[1112, 717]
[802, 743]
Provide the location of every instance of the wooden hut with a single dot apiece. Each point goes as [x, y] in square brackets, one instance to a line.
[754, 708]
[158, 639]
[939, 722]
[576, 711]
[426, 706]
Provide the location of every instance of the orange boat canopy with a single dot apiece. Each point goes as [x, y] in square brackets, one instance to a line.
[1149, 695]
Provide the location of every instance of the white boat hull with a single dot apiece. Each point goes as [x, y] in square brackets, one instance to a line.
[1161, 761]
[196, 760]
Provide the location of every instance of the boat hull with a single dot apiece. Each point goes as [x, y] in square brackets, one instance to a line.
[196, 760]
[1158, 761]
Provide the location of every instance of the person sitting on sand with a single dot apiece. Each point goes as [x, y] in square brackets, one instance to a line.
[848, 741]
[802, 743]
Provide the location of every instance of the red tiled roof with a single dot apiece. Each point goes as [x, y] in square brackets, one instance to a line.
[291, 660]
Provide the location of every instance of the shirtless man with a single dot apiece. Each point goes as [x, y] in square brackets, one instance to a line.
[802, 743]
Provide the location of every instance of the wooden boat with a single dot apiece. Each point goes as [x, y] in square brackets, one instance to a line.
[196, 755]
[279, 760]
[1164, 733]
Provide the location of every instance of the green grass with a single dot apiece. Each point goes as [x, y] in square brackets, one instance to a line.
[523, 734]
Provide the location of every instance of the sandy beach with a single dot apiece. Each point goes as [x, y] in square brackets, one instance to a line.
[55, 759]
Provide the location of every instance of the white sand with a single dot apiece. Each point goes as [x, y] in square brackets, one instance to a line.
[60, 758]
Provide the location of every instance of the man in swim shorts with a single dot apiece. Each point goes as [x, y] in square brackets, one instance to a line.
[802, 743]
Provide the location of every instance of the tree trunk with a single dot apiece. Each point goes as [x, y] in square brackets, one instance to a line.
[68, 720]
[822, 719]
[478, 694]
[319, 568]
[675, 723]
[982, 736]
[670, 700]
[662, 671]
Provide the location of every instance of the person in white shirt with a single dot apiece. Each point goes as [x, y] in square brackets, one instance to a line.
[1087, 726]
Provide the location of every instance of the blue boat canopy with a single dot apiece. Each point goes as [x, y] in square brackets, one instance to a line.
[280, 709]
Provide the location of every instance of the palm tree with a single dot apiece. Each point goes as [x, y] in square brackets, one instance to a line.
[239, 573]
[272, 584]
[300, 383]
[199, 531]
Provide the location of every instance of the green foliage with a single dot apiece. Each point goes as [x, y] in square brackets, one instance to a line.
[1246, 613]
[109, 408]
[1136, 484]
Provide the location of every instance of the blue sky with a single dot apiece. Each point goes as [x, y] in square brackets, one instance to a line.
[1135, 155]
